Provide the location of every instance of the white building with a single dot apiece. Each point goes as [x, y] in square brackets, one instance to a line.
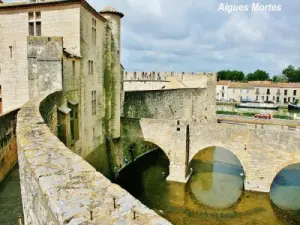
[262, 91]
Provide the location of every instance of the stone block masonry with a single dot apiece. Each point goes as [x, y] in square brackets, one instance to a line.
[44, 65]
[263, 152]
[59, 187]
[179, 104]
[8, 142]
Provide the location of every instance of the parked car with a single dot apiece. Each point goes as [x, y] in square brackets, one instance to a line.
[263, 115]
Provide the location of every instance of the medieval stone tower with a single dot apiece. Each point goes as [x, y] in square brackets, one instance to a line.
[112, 73]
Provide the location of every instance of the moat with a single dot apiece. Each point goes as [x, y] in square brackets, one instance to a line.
[214, 193]
[10, 198]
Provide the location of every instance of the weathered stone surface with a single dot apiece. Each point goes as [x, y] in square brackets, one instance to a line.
[8, 142]
[59, 187]
[263, 152]
[44, 65]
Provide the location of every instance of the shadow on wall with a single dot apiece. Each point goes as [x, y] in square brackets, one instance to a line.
[8, 143]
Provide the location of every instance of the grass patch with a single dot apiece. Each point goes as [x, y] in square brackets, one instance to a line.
[285, 117]
[226, 112]
[249, 114]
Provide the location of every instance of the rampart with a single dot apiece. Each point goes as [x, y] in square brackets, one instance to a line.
[141, 75]
[8, 142]
[181, 104]
[59, 187]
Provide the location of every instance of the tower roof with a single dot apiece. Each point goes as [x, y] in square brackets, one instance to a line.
[109, 9]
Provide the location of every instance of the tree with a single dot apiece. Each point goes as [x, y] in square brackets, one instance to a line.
[280, 79]
[258, 75]
[292, 73]
[275, 79]
[233, 75]
[222, 75]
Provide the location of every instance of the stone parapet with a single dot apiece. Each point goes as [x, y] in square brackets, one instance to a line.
[59, 187]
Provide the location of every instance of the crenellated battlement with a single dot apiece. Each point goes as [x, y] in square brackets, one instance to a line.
[155, 75]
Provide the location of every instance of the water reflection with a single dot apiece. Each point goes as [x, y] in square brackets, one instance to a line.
[217, 180]
[285, 190]
[213, 196]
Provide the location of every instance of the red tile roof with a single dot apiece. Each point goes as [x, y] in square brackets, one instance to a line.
[279, 85]
[223, 82]
[241, 85]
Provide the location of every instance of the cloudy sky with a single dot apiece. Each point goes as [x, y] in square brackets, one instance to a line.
[192, 35]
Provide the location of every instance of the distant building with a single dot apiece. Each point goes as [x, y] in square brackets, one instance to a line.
[262, 91]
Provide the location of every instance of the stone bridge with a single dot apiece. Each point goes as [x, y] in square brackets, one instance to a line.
[262, 150]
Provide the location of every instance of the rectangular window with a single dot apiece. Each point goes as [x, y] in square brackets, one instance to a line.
[94, 102]
[94, 31]
[38, 15]
[1, 107]
[38, 29]
[31, 29]
[74, 123]
[268, 91]
[92, 67]
[94, 132]
[285, 92]
[73, 68]
[34, 24]
[295, 92]
[89, 67]
[30, 16]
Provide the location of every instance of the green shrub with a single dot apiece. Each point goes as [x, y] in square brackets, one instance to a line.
[226, 112]
[285, 117]
[251, 114]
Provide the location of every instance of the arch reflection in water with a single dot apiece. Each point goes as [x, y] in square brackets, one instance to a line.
[218, 177]
[145, 178]
[285, 189]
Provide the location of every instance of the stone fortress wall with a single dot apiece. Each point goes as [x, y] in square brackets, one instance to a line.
[141, 81]
[8, 142]
[140, 75]
[194, 101]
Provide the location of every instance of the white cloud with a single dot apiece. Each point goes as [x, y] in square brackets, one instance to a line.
[191, 35]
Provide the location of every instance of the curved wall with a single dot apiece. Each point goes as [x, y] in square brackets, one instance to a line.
[59, 187]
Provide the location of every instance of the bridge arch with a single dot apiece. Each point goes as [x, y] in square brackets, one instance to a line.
[135, 151]
[286, 183]
[280, 168]
[237, 154]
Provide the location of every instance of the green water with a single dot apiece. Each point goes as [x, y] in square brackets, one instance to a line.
[214, 194]
[10, 198]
